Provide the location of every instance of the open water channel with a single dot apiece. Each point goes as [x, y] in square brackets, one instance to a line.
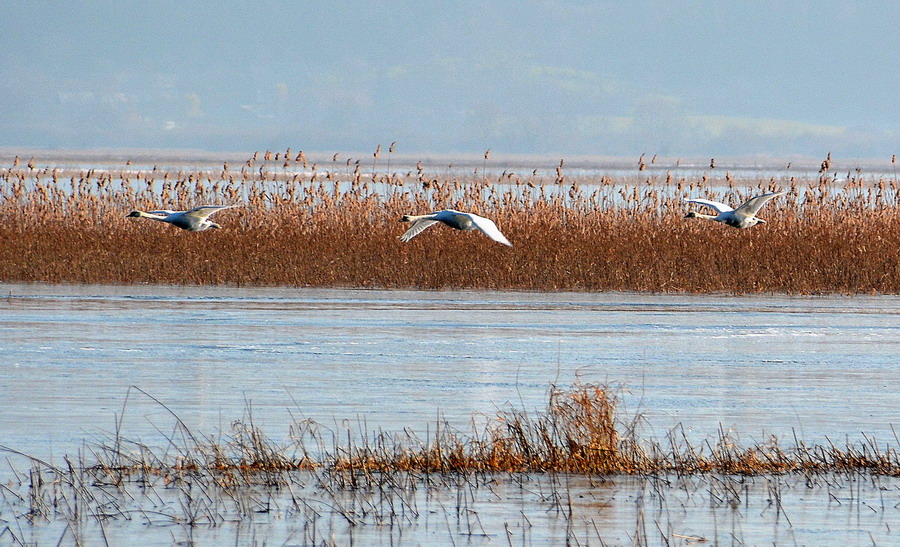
[818, 369]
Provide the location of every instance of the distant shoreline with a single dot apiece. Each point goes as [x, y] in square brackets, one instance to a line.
[436, 160]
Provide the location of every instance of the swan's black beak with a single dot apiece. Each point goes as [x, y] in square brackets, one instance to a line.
[133, 214]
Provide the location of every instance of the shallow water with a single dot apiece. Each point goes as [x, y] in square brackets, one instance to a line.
[529, 510]
[814, 368]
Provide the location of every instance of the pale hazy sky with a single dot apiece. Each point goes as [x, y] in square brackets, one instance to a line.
[562, 77]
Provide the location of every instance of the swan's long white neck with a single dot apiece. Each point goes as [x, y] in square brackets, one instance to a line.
[152, 216]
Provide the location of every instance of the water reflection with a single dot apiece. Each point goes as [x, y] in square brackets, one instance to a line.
[763, 365]
[519, 510]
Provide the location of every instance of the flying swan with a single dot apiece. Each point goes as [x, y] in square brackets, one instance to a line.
[453, 219]
[195, 220]
[742, 217]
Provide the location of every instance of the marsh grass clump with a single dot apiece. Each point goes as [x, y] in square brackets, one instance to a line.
[579, 432]
[297, 223]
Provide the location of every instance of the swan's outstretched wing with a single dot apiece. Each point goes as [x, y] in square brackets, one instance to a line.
[717, 205]
[753, 205]
[417, 228]
[489, 229]
[204, 211]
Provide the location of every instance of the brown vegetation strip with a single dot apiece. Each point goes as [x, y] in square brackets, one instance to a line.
[340, 228]
[579, 432]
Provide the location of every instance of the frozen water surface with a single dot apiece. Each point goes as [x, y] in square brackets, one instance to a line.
[815, 368]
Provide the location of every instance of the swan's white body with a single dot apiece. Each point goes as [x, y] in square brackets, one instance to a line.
[195, 220]
[453, 219]
[742, 217]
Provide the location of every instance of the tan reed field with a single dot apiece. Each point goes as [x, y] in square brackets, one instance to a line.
[297, 224]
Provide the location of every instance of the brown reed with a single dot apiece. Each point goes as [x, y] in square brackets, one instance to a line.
[339, 228]
[580, 432]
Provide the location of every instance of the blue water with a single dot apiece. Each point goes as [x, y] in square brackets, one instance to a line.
[813, 368]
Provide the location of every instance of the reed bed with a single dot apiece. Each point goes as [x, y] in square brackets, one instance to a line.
[302, 224]
[579, 432]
